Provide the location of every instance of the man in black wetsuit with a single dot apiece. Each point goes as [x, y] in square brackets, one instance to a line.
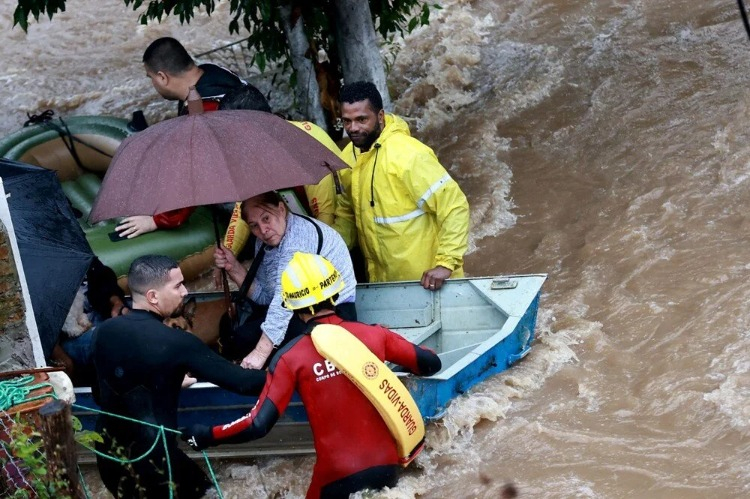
[140, 365]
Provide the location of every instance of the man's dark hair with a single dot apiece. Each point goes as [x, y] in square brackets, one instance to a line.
[168, 55]
[245, 97]
[149, 272]
[325, 305]
[359, 91]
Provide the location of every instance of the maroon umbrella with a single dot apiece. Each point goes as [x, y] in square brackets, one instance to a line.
[211, 158]
[206, 159]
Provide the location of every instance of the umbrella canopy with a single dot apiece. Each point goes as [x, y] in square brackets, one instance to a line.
[52, 246]
[210, 158]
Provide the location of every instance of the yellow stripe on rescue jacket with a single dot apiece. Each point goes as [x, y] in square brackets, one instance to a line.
[378, 383]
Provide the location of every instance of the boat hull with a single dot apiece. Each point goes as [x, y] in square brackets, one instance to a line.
[477, 331]
[433, 395]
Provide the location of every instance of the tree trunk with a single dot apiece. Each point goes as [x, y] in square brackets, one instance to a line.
[306, 90]
[358, 46]
[60, 448]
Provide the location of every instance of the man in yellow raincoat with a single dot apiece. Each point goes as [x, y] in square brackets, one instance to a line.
[410, 217]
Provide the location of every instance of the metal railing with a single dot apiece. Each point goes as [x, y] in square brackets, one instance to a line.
[235, 56]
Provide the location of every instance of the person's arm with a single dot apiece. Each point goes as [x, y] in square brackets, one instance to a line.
[303, 238]
[344, 222]
[322, 199]
[225, 259]
[135, 226]
[435, 192]
[418, 360]
[274, 326]
[206, 365]
[235, 238]
[173, 218]
[272, 403]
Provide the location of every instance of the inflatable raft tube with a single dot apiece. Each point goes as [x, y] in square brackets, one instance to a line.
[98, 138]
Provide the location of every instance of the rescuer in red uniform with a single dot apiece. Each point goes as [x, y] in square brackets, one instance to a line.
[354, 448]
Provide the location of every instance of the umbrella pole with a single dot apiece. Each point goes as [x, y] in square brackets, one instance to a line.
[224, 280]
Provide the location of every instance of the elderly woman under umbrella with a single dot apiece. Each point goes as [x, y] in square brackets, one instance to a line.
[280, 233]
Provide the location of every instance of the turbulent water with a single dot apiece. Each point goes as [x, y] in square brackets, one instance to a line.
[603, 142]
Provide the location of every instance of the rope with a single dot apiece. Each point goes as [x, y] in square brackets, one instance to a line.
[82, 481]
[45, 119]
[223, 47]
[16, 391]
[213, 475]
[161, 435]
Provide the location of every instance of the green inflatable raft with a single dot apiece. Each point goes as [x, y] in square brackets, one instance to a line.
[81, 168]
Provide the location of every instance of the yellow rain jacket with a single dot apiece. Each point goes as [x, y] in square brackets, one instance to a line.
[408, 214]
[321, 196]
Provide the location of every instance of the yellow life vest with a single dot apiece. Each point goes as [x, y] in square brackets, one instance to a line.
[379, 384]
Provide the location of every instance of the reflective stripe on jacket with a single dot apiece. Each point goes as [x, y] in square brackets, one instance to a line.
[409, 214]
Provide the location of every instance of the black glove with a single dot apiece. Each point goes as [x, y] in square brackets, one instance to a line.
[198, 436]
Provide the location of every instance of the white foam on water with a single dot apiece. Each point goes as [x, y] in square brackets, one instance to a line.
[452, 448]
[491, 210]
[731, 371]
[442, 74]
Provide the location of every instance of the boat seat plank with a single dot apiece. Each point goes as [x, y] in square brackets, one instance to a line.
[455, 338]
[449, 357]
[417, 335]
[476, 317]
[396, 318]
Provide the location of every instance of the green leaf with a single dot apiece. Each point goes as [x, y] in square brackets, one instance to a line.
[265, 9]
[20, 17]
[89, 438]
[260, 60]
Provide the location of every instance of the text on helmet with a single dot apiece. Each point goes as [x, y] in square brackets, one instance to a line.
[329, 280]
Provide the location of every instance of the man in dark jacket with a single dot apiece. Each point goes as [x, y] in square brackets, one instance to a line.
[172, 72]
[140, 365]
